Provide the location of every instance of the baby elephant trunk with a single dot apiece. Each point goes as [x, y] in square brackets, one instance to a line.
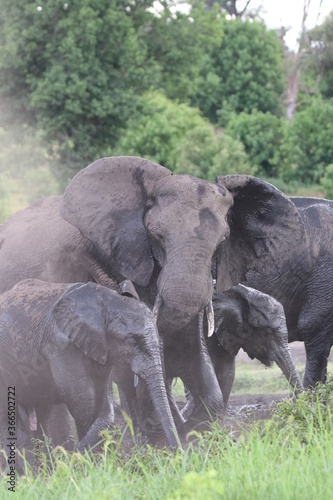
[285, 362]
[158, 395]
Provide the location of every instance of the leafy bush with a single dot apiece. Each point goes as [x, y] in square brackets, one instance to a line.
[200, 486]
[311, 412]
[244, 73]
[157, 129]
[261, 134]
[327, 181]
[205, 153]
[76, 70]
[307, 148]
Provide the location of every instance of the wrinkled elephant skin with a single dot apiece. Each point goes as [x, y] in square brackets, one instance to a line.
[248, 319]
[58, 344]
[283, 247]
[129, 218]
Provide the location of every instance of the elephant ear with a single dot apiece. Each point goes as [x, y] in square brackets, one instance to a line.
[231, 332]
[267, 234]
[80, 316]
[263, 312]
[106, 201]
[231, 341]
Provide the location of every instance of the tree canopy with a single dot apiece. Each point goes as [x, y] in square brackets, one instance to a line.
[199, 89]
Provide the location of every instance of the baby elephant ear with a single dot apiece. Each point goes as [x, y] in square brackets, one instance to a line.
[80, 316]
[229, 341]
[267, 234]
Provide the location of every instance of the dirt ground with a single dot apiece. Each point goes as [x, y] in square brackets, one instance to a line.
[247, 408]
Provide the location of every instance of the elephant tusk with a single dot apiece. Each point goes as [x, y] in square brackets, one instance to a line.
[210, 318]
[136, 380]
[157, 306]
[32, 419]
[128, 289]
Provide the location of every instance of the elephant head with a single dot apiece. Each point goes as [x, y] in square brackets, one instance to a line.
[153, 228]
[248, 319]
[121, 332]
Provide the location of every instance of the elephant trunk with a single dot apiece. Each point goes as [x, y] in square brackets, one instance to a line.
[158, 395]
[285, 362]
[182, 296]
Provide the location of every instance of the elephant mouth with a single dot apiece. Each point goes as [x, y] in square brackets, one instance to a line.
[208, 309]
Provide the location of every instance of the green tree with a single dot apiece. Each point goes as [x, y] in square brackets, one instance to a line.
[261, 134]
[178, 41]
[244, 73]
[307, 147]
[320, 56]
[206, 153]
[75, 69]
[327, 181]
[157, 128]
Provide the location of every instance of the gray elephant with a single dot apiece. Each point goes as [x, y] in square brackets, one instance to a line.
[284, 248]
[58, 344]
[126, 217]
[248, 319]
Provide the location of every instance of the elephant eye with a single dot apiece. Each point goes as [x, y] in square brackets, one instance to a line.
[150, 203]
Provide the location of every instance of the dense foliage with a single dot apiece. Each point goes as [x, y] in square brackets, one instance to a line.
[307, 148]
[245, 72]
[261, 134]
[192, 88]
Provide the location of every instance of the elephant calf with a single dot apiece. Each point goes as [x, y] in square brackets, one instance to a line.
[248, 319]
[58, 344]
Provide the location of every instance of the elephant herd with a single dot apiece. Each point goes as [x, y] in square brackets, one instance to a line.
[114, 281]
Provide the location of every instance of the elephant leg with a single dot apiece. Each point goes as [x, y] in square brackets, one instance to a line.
[93, 436]
[129, 395]
[224, 364]
[195, 369]
[315, 327]
[83, 387]
[316, 364]
[57, 424]
[84, 403]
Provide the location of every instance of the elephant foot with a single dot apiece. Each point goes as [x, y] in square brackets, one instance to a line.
[201, 418]
[151, 427]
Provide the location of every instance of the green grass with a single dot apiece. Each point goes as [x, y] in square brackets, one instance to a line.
[266, 463]
[255, 378]
[288, 457]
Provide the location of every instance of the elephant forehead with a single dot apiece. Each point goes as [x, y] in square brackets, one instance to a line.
[193, 192]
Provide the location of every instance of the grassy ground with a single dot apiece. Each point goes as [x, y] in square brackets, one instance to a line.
[266, 463]
[289, 456]
[261, 466]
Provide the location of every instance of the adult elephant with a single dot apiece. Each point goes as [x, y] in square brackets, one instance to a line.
[284, 248]
[129, 218]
